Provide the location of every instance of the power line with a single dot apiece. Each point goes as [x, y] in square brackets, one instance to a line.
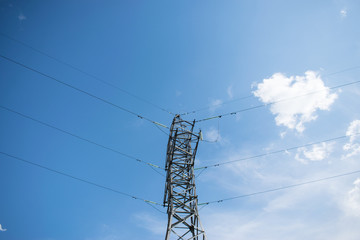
[223, 103]
[161, 130]
[80, 179]
[86, 73]
[281, 188]
[275, 152]
[341, 71]
[157, 209]
[83, 91]
[84, 139]
[249, 96]
[271, 103]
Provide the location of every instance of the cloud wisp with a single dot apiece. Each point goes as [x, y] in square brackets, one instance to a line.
[212, 135]
[351, 201]
[353, 146]
[154, 225]
[343, 13]
[318, 152]
[2, 229]
[21, 17]
[215, 104]
[229, 92]
[294, 113]
[354, 198]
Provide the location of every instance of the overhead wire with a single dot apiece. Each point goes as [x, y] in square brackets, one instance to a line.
[202, 206]
[221, 104]
[86, 73]
[274, 102]
[153, 206]
[281, 188]
[202, 170]
[83, 91]
[80, 179]
[341, 71]
[275, 152]
[153, 167]
[162, 130]
[83, 139]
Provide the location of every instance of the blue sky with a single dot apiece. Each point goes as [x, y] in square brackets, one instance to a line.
[182, 56]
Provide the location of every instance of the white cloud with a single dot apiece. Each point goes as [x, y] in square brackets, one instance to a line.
[354, 197]
[318, 152]
[230, 92]
[283, 134]
[152, 224]
[343, 13]
[353, 132]
[313, 211]
[21, 17]
[296, 111]
[307, 212]
[228, 225]
[107, 232]
[352, 200]
[212, 135]
[261, 225]
[2, 229]
[215, 104]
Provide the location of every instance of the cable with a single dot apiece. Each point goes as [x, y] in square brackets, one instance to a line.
[271, 103]
[82, 91]
[202, 206]
[274, 152]
[161, 130]
[249, 96]
[86, 73]
[154, 168]
[152, 205]
[341, 71]
[223, 103]
[82, 138]
[202, 170]
[281, 188]
[81, 179]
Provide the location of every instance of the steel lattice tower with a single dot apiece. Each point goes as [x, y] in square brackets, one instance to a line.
[180, 192]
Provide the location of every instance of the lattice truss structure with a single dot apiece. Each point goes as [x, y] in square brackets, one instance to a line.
[180, 192]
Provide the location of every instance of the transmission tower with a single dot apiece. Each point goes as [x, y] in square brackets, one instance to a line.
[180, 192]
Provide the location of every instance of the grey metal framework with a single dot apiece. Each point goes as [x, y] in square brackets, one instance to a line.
[180, 192]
